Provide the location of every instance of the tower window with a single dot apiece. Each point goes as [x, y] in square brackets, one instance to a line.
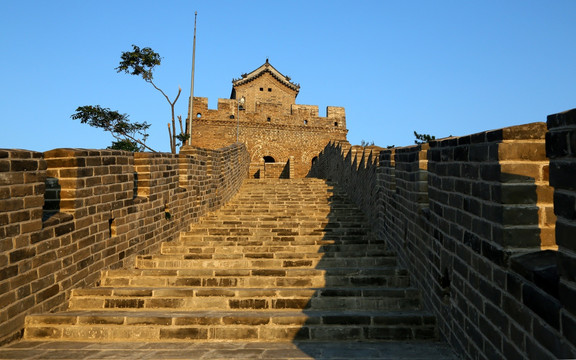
[268, 119]
[269, 159]
[199, 115]
[336, 123]
[269, 89]
[261, 89]
[305, 122]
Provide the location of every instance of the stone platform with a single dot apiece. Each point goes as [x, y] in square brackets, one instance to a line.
[232, 350]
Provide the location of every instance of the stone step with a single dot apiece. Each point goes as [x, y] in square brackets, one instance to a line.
[295, 208]
[278, 326]
[265, 240]
[258, 278]
[288, 223]
[283, 231]
[231, 299]
[211, 255]
[187, 262]
[275, 250]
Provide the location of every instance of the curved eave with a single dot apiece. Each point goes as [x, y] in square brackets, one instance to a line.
[266, 68]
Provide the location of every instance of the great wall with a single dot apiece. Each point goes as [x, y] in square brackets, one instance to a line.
[482, 229]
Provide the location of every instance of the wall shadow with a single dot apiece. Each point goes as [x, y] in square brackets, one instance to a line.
[363, 296]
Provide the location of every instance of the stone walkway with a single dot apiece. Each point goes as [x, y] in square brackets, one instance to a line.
[181, 350]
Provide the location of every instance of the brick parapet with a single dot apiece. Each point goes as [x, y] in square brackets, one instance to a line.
[94, 219]
[473, 244]
[561, 148]
[499, 181]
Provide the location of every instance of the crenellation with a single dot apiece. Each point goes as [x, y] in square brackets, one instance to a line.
[305, 110]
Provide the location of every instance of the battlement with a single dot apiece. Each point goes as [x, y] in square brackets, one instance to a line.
[271, 113]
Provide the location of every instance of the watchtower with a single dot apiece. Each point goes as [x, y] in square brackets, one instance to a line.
[281, 136]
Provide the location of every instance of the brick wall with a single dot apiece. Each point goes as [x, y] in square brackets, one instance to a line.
[472, 219]
[102, 208]
[561, 148]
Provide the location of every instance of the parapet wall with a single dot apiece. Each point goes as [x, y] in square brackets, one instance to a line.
[67, 214]
[472, 219]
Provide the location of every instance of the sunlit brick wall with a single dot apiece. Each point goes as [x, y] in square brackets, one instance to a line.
[102, 208]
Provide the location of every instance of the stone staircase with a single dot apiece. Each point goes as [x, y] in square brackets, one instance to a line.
[283, 260]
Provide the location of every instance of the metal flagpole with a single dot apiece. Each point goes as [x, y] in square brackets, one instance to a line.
[191, 102]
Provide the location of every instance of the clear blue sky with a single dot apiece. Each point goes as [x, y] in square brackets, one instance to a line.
[436, 66]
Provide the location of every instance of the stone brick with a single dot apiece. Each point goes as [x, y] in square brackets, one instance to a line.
[565, 205]
[23, 165]
[569, 327]
[549, 338]
[22, 254]
[547, 307]
[562, 174]
[565, 234]
[566, 118]
[190, 333]
[567, 293]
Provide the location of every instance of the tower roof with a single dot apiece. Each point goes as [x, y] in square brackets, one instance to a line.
[266, 68]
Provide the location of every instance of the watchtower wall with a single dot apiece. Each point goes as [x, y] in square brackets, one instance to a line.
[269, 131]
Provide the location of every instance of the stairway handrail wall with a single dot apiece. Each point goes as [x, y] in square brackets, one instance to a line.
[68, 214]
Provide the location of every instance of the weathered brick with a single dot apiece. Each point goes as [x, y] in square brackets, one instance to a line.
[569, 327]
[565, 234]
[547, 307]
[562, 174]
[22, 254]
[566, 118]
[23, 165]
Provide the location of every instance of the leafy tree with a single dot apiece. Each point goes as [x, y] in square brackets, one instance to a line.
[141, 62]
[116, 124]
[423, 138]
[126, 145]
